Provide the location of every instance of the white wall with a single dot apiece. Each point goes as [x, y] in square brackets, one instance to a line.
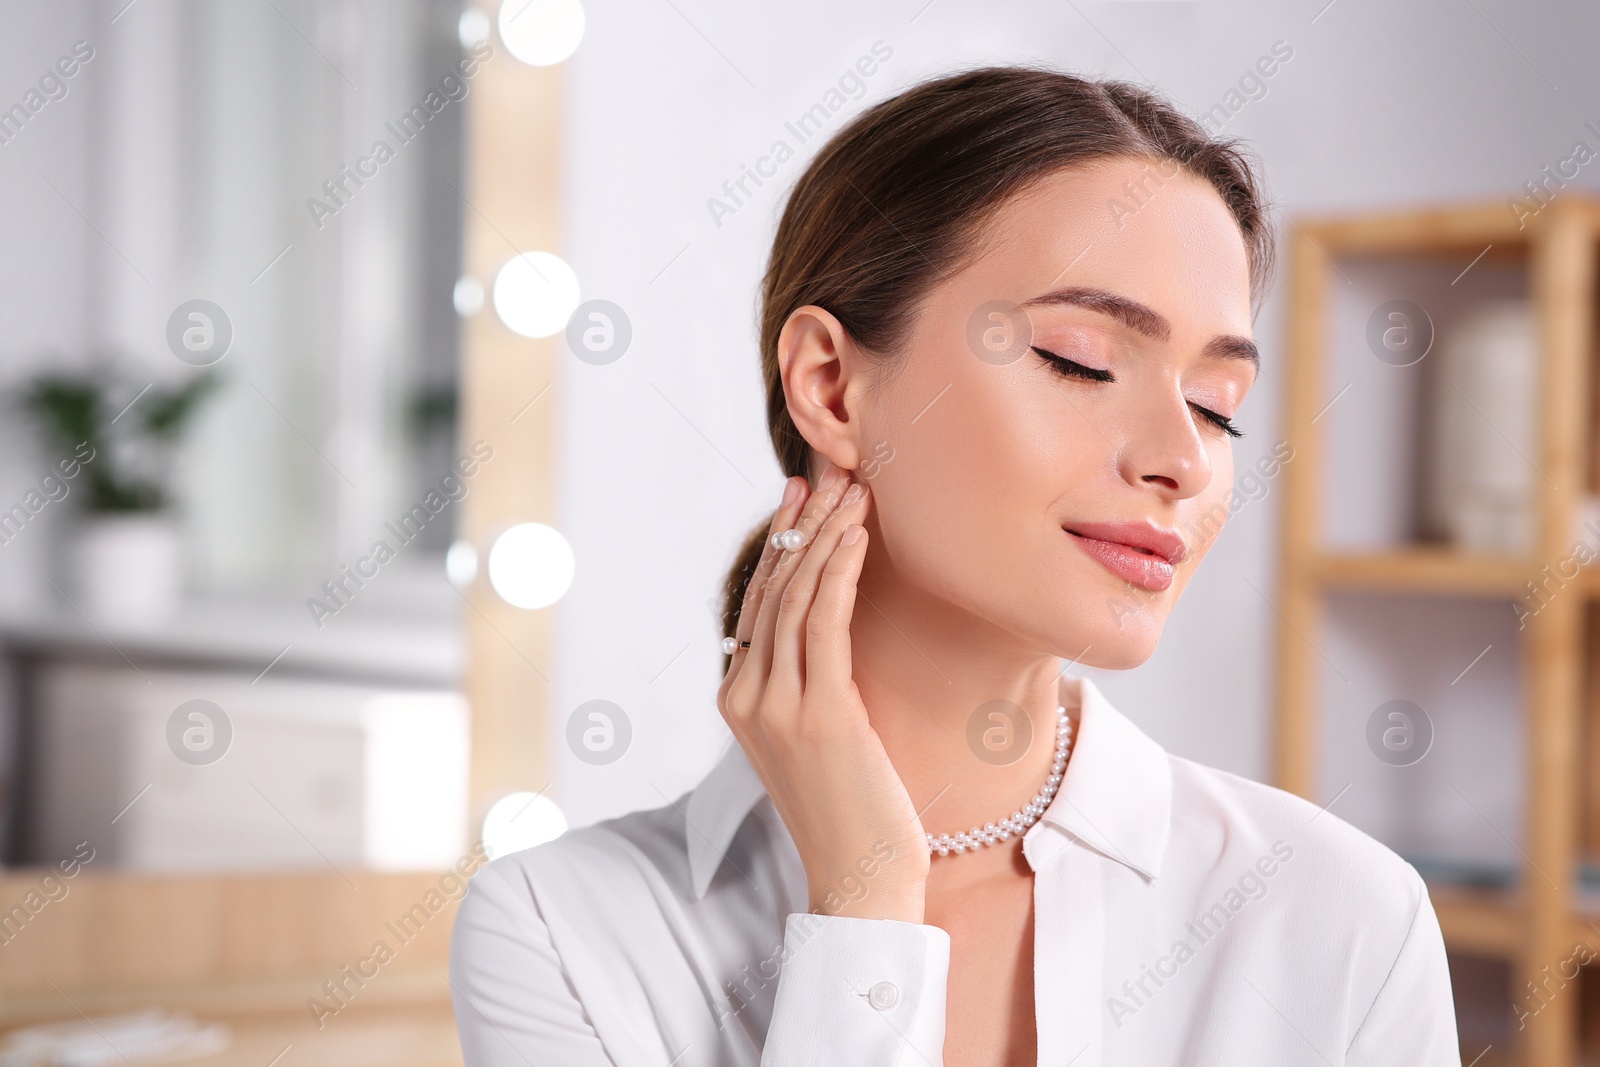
[665, 457]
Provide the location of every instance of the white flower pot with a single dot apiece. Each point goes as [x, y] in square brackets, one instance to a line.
[129, 569]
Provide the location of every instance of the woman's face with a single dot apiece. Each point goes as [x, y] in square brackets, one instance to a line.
[1003, 478]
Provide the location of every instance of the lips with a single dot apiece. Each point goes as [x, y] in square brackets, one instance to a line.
[1140, 553]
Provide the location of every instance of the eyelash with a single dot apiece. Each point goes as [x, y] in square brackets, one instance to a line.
[1070, 369]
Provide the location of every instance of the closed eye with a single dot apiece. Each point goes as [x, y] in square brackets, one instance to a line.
[1072, 369]
[1220, 421]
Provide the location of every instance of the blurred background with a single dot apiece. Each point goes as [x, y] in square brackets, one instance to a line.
[381, 412]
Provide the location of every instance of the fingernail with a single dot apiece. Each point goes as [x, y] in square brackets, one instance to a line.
[852, 533]
[791, 492]
[852, 494]
[829, 477]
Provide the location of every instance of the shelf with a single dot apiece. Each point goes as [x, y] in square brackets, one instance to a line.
[1490, 922]
[1518, 916]
[1586, 918]
[1452, 230]
[406, 1020]
[1435, 570]
[417, 990]
[411, 645]
[1484, 922]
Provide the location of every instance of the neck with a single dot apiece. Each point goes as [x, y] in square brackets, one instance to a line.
[924, 669]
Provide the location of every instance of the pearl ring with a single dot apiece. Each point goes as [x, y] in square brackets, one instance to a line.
[790, 540]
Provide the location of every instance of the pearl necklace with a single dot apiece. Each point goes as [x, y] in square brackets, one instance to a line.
[1025, 816]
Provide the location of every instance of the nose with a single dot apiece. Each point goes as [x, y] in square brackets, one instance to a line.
[1163, 447]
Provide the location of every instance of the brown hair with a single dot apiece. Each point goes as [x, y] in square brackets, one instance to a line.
[897, 199]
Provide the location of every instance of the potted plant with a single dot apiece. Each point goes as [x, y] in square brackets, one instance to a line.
[126, 558]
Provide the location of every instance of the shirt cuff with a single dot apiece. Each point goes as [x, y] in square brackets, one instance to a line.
[858, 991]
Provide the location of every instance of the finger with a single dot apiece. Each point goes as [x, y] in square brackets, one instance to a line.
[818, 508]
[782, 519]
[793, 627]
[827, 648]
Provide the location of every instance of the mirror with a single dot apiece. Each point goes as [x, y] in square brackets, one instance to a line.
[233, 467]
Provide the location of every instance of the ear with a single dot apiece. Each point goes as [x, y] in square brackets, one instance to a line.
[822, 373]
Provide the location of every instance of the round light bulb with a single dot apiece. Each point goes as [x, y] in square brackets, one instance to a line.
[468, 296]
[521, 820]
[473, 27]
[535, 294]
[541, 32]
[531, 565]
[461, 563]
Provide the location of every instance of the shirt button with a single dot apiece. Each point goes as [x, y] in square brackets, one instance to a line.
[883, 996]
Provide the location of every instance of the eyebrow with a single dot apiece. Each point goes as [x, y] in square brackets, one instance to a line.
[1141, 318]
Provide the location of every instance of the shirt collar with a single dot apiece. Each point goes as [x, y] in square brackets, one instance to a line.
[1116, 794]
[1115, 797]
[717, 807]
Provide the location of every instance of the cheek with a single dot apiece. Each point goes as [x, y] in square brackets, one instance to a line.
[1000, 456]
[970, 475]
[943, 479]
[1206, 514]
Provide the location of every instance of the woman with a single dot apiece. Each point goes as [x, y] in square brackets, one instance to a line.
[1006, 331]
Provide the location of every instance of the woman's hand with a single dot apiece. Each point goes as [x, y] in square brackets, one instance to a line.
[792, 703]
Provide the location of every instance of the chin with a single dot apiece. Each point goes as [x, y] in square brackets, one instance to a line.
[1090, 634]
[1110, 631]
[1123, 639]
[1121, 650]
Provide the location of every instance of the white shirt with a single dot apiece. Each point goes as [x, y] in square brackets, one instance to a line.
[1183, 915]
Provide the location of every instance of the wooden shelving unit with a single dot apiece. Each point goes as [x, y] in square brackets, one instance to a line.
[1537, 923]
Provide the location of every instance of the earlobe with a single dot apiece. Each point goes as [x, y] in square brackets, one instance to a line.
[819, 364]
